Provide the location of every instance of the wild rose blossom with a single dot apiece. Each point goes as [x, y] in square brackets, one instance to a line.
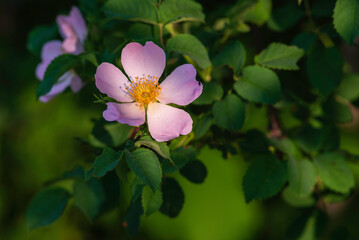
[142, 95]
[74, 32]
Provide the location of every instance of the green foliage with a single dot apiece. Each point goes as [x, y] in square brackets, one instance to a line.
[88, 196]
[337, 111]
[202, 127]
[159, 147]
[189, 45]
[324, 69]
[195, 171]
[349, 87]
[39, 36]
[180, 10]
[58, 67]
[233, 55]
[280, 56]
[334, 172]
[151, 201]
[229, 113]
[211, 92]
[255, 142]
[180, 157]
[144, 163]
[346, 18]
[264, 178]
[173, 198]
[106, 162]
[296, 228]
[46, 207]
[131, 221]
[259, 85]
[301, 176]
[133, 10]
[259, 13]
[109, 134]
[285, 17]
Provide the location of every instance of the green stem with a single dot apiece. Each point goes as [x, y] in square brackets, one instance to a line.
[160, 25]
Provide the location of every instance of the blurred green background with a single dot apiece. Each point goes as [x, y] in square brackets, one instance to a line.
[38, 143]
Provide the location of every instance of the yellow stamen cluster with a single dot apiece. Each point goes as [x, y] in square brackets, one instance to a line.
[144, 90]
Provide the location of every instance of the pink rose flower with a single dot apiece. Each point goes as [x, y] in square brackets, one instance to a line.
[74, 31]
[143, 94]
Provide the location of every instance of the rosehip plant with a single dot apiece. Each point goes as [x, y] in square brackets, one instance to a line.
[272, 81]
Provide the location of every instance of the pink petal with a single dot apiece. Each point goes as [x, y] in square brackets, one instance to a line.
[139, 61]
[166, 122]
[78, 23]
[127, 113]
[41, 69]
[63, 82]
[73, 24]
[70, 45]
[181, 86]
[76, 83]
[111, 81]
[51, 50]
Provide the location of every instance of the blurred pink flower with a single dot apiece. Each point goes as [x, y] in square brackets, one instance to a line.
[144, 65]
[74, 32]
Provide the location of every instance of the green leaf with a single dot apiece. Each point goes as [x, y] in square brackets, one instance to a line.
[346, 18]
[202, 127]
[111, 188]
[324, 69]
[305, 40]
[58, 67]
[229, 113]
[179, 11]
[151, 201]
[107, 161]
[349, 87]
[293, 199]
[337, 111]
[173, 198]
[189, 45]
[233, 55]
[195, 171]
[39, 36]
[76, 172]
[259, 85]
[131, 221]
[309, 139]
[334, 172]
[285, 17]
[286, 146]
[301, 176]
[144, 163]
[259, 13]
[110, 134]
[132, 10]
[46, 207]
[88, 196]
[280, 56]
[265, 177]
[180, 157]
[159, 147]
[136, 188]
[211, 92]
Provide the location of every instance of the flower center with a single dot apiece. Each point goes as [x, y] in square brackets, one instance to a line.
[144, 90]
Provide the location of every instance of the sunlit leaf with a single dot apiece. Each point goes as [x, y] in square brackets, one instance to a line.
[189, 45]
[280, 56]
